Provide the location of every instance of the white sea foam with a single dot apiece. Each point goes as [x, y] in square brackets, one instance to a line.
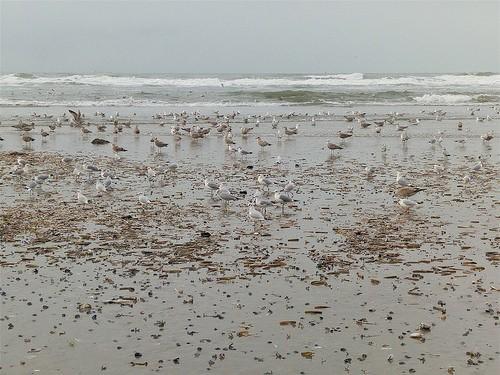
[129, 102]
[349, 76]
[355, 79]
[443, 99]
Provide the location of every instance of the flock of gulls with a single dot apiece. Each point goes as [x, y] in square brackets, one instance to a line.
[189, 125]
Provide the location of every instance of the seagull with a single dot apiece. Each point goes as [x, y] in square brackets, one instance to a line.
[283, 198]
[107, 182]
[345, 135]
[261, 201]
[77, 117]
[44, 134]
[30, 186]
[27, 139]
[255, 215]
[369, 171]
[467, 179]
[90, 168]
[289, 187]
[243, 153]
[292, 131]
[27, 168]
[17, 171]
[264, 181]
[228, 138]
[404, 136]
[226, 196]
[82, 199]
[401, 180]
[332, 146]
[116, 149]
[487, 137]
[407, 203]
[100, 187]
[245, 131]
[213, 186]
[262, 142]
[407, 191]
[151, 173]
[77, 172]
[172, 166]
[159, 144]
[41, 178]
[477, 166]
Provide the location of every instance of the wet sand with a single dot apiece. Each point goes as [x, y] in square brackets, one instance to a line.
[344, 281]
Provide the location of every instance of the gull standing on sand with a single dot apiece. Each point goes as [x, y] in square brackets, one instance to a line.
[262, 142]
[27, 139]
[264, 181]
[151, 173]
[404, 136]
[291, 131]
[283, 198]
[41, 178]
[100, 187]
[289, 187]
[159, 144]
[407, 191]
[477, 166]
[30, 186]
[332, 146]
[343, 135]
[243, 153]
[44, 134]
[255, 215]
[116, 149]
[261, 201]
[401, 180]
[226, 196]
[245, 131]
[407, 203]
[212, 185]
[82, 199]
[108, 182]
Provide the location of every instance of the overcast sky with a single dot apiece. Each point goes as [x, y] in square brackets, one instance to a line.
[249, 37]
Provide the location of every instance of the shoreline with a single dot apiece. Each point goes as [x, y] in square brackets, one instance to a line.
[342, 278]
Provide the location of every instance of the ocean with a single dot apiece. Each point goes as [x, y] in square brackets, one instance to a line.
[242, 90]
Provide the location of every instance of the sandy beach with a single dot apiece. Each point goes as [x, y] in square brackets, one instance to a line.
[342, 279]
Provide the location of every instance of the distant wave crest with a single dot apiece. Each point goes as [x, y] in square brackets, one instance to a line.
[354, 79]
[443, 99]
[128, 102]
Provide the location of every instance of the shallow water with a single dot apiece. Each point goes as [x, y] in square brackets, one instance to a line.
[222, 304]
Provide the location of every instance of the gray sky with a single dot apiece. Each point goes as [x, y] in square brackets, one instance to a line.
[249, 37]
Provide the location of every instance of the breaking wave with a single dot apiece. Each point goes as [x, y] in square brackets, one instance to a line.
[354, 79]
